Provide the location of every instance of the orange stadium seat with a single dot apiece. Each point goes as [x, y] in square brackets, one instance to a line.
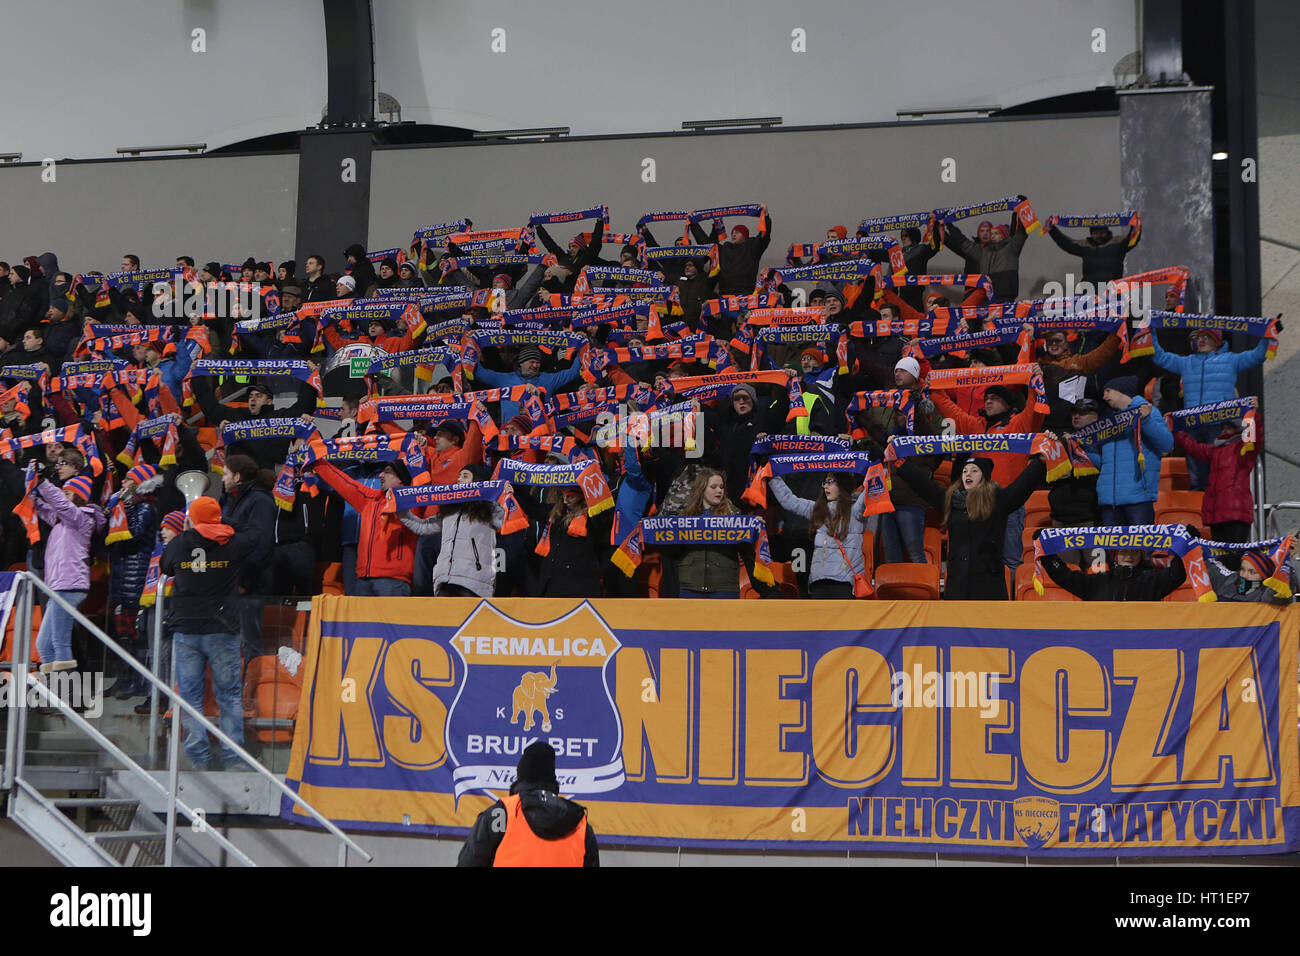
[652, 572]
[332, 578]
[1180, 507]
[782, 572]
[907, 582]
[1036, 504]
[933, 546]
[7, 645]
[1174, 472]
[1024, 586]
[271, 696]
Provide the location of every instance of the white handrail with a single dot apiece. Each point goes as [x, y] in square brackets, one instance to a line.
[135, 768]
[191, 712]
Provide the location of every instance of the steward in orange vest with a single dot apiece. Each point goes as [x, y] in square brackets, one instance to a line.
[534, 825]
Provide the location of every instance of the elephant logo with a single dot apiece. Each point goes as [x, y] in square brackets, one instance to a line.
[509, 670]
[529, 698]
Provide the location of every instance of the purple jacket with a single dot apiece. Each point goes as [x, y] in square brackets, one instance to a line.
[71, 528]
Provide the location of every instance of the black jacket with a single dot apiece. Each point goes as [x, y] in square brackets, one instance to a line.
[549, 816]
[362, 269]
[250, 508]
[206, 596]
[61, 338]
[19, 311]
[975, 568]
[738, 262]
[732, 436]
[999, 260]
[574, 263]
[318, 289]
[267, 452]
[1101, 263]
[574, 565]
[1073, 501]
[1143, 583]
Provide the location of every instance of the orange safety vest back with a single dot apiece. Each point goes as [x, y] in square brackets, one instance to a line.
[520, 846]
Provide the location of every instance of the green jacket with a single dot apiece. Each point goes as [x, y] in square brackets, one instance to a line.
[709, 569]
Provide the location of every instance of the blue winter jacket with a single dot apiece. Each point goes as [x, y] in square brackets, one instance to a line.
[635, 495]
[551, 381]
[174, 370]
[1210, 377]
[128, 561]
[1122, 481]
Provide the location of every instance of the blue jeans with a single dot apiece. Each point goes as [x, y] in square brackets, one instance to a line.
[382, 587]
[1013, 547]
[220, 652]
[902, 535]
[426, 556]
[54, 639]
[1144, 512]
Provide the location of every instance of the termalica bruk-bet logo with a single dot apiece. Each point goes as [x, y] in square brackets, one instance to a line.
[526, 682]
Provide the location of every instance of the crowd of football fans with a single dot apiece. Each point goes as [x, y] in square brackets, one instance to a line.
[114, 387]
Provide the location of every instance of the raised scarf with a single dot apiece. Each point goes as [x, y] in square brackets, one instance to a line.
[406, 497]
[1158, 537]
[164, 427]
[584, 475]
[579, 215]
[693, 532]
[1227, 411]
[1279, 552]
[992, 375]
[875, 476]
[995, 443]
[1023, 211]
[708, 387]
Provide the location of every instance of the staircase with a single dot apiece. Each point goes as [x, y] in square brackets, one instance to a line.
[88, 801]
[62, 801]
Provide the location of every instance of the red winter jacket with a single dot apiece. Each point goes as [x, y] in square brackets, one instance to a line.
[1227, 495]
[385, 549]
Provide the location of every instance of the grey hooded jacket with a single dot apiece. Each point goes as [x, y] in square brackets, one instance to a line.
[827, 560]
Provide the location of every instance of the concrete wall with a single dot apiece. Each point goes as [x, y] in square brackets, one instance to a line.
[601, 67]
[86, 78]
[209, 207]
[809, 179]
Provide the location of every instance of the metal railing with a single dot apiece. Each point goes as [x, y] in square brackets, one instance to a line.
[17, 727]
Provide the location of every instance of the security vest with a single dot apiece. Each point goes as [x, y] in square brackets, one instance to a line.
[520, 846]
[803, 424]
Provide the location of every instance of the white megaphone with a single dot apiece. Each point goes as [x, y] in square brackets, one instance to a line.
[192, 484]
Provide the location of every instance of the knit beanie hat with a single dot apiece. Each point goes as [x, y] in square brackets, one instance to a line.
[537, 765]
[80, 485]
[1264, 565]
